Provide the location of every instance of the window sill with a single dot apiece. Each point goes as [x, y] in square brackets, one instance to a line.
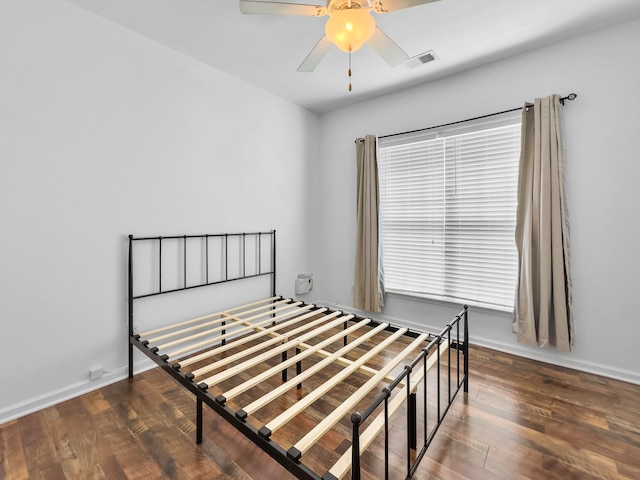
[415, 297]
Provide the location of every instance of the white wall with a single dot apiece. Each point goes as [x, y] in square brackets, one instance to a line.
[602, 173]
[104, 133]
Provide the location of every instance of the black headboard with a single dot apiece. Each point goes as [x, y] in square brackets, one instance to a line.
[225, 253]
[216, 258]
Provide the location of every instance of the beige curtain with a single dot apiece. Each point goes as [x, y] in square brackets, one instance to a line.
[367, 286]
[543, 296]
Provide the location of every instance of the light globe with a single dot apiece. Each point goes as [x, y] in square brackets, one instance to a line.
[350, 28]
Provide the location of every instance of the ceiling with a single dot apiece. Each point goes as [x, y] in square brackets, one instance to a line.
[266, 50]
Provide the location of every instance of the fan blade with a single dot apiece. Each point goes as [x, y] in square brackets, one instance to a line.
[387, 48]
[278, 8]
[315, 55]
[384, 6]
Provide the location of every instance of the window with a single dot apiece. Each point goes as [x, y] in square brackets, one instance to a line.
[447, 211]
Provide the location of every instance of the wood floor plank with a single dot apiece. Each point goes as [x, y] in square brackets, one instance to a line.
[13, 464]
[122, 427]
[501, 463]
[76, 452]
[43, 462]
[236, 455]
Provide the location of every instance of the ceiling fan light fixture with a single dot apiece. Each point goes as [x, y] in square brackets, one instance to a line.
[350, 28]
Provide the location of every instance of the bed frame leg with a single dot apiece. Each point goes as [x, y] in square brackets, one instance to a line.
[466, 350]
[355, 446]
[412, 419]
[130, 302]
[198, 421]
[298, 367]
[284, 371]
[130, 360]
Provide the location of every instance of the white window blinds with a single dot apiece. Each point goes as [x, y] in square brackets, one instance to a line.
[447, 211]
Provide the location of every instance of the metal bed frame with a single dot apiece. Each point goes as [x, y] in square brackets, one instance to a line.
[442, 351]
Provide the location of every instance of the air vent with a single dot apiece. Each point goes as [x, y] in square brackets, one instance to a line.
[421, 59]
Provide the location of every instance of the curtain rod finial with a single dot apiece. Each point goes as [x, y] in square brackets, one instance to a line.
[571, 96]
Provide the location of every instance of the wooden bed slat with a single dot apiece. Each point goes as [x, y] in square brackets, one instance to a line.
[266, 399]
[272, 352]
[311, 397]
[194, 320]
[228, 326]
[345, 362]
[295, 359]
[256, 348]
[224, 315]
[261, 332]
[334, 417]
[341, 361]
[211, 342]
[342, 466]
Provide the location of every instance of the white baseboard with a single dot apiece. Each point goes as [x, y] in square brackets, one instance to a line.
[60, 395]
[65, 393]
[514, 349]
[586, 366]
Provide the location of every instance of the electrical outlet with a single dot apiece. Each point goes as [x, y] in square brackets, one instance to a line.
[95, 373]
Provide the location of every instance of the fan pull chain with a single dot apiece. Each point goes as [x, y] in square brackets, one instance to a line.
[349, 70]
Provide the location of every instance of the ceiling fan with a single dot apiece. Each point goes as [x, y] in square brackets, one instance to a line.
[350, 25]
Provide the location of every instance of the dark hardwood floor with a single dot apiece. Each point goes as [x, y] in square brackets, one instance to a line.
[520, 420]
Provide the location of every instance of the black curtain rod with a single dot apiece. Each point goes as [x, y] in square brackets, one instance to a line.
[571, 96]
